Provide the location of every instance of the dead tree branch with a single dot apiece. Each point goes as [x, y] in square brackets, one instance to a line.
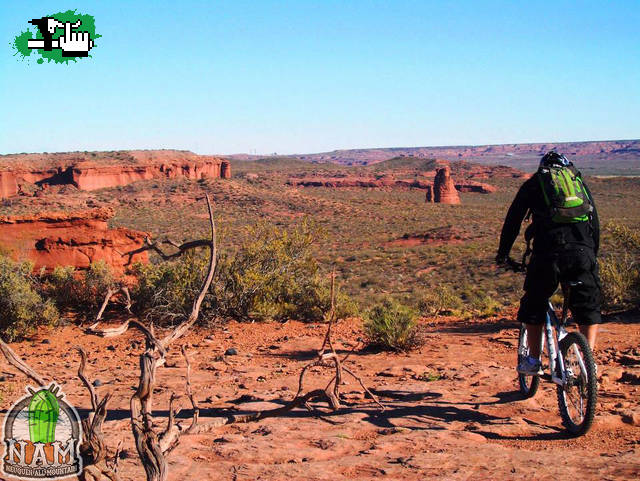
[194, 404]
[107, 298]
[151, 447]
[326, 357]
[93, 449]
[13, 359]
[150, 245]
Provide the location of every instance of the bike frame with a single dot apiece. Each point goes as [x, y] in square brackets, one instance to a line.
[551, 327]
[554, 326]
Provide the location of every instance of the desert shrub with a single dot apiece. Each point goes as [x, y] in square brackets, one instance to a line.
[165, 292]
[71, 288]
[619, 267]
[96, 280]
[481, 304]
[314, 300]
[391, 325]
[61, 286]
[276, 276]
[273, 276]
[439, 300]
[22, 308]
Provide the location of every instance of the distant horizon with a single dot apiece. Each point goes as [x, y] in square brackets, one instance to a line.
[278, 154]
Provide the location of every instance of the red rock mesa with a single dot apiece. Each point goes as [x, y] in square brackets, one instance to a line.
[90, 171]
[69, 239]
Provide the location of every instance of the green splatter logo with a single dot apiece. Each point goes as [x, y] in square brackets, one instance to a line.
[59, 38]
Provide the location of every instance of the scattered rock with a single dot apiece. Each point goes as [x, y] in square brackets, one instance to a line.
[229, 438]
[323, 444]
[263, 431]
[97, 383]
[614, 373]
[629, 360]
[232, 351]
[125, 454]
[394, 430]
[631, 417]
[631, 375]
[45, 341]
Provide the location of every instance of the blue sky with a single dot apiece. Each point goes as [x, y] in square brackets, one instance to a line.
[309, 76]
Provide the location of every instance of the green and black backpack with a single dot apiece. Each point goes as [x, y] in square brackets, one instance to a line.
[564, 194]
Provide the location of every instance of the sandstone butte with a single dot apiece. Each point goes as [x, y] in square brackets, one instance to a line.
[69, 239]
[90, 171]
[444, 190]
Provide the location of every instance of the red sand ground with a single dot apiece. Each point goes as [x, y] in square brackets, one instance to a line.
[468, 424]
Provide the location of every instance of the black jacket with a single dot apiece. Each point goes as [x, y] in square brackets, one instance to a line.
[548, 236]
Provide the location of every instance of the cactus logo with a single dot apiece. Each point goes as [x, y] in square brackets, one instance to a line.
[42, 434]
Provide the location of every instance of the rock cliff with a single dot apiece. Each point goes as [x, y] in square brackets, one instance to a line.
[69, 239]
[91, 170]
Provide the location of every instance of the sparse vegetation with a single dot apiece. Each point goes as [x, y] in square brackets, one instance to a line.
[439, 300]
[274, 275]
[360, 224]
[619, 267]
[165, 291]
[391, 325]
[71, 288]
[22, 308]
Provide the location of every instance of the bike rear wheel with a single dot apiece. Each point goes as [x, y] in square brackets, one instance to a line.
[528, 384]
[577, 398]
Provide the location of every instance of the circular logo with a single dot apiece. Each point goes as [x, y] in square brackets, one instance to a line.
[42, 434]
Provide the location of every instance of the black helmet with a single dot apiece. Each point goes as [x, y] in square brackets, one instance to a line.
[553, 158]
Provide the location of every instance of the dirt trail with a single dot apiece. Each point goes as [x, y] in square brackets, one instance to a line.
[452, 410]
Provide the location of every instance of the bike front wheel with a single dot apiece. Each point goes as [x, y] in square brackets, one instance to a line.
[578, 396]
[528, 384]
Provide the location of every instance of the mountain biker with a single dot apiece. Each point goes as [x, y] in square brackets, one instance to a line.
[564, 249]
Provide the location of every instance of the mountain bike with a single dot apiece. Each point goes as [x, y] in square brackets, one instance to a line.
[571, 365]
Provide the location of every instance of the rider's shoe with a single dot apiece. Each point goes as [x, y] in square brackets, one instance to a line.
[530, 366]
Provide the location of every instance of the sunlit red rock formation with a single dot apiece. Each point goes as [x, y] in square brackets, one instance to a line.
[388, 181]
[225, 170]
[69, 239]
[478, 187]
[90, 170]
[11, 180]
[428, 198]
[8, 184]
[444, 190]
[90, 177]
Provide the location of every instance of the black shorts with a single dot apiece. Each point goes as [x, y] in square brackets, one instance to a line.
[545, 272]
